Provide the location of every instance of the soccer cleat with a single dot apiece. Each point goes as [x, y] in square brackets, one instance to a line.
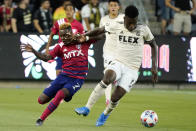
[39, 122]
[82, 111]
[102, 119]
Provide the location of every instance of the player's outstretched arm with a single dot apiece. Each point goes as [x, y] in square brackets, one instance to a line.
[154, 60]
[96, 31]
[49, 42]
[96, 34]
[29, 48]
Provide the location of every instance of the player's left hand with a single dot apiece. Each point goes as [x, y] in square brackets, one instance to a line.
[26, 47]
[154, 75]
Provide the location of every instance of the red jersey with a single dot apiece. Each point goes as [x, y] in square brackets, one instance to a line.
[5, 13]
[75, 25]
[74, 57]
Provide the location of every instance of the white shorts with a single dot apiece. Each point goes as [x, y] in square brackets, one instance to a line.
[125, 77]
[107, 60]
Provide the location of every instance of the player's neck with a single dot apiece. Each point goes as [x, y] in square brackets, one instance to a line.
[23, 6]
[70, 20]
[112, 16]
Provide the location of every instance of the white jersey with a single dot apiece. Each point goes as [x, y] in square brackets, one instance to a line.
[111, 39]
[86, 13]
[130, 45]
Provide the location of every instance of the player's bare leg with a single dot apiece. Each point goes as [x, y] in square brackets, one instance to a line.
[108, 94]
[43, 99]
[116, 96]
[109, 77]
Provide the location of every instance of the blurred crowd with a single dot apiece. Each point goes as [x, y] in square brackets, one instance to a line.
[176, 16]
[40, 15]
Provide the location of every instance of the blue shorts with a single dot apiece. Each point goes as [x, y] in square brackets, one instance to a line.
[63, 81]
[59, 63]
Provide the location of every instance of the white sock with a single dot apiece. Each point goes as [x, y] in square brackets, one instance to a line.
[96, 94]
[108, 93]
[110, 107]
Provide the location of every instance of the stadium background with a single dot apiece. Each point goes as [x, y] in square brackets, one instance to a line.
[172, 52]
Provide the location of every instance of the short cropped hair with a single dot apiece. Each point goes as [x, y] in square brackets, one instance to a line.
[131, 11]
[65, 26]
[42, 1]
[114, 1]
[69, 5]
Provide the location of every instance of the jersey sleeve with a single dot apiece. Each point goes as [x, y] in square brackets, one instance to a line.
[85, 12]
[55, 52]
[148, 34]
[55, 28]
[81, 28]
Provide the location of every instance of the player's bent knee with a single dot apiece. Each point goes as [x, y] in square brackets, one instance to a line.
[43, 99]
[109, 77]
[40, 101]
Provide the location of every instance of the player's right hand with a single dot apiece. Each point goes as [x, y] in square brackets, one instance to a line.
[81, 38]
[26, 47]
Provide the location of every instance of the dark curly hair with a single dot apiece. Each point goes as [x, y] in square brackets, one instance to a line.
[131, 11]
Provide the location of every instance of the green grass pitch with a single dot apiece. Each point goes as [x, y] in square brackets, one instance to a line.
[176, 110]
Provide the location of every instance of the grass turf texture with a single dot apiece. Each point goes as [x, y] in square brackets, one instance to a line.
[176, 111]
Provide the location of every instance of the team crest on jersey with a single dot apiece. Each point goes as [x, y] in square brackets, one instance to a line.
[65, 50]
[138, 33]
[78, 46]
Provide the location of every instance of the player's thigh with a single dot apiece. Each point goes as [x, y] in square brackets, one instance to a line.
[178, 21]
[187, 24]
[55, 86]
[72, 87]
[128, 78]
[116, 67]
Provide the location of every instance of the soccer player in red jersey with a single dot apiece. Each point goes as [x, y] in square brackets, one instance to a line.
[76, 28]
[75, 68]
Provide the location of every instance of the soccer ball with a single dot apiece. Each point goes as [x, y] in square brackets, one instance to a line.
[149, 118]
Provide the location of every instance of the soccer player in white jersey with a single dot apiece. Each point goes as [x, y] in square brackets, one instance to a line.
[124, 69]
[109, 48]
